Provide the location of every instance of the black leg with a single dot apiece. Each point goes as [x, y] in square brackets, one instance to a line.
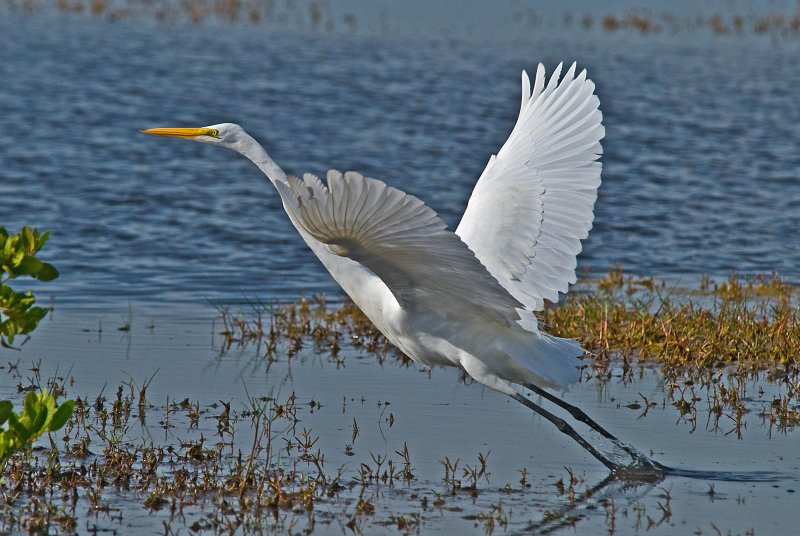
[639, 459]
[564, 427]
[575, 411]
[640, 467]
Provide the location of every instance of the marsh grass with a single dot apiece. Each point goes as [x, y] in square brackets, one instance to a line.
[259, 468]
[203, 482]
[717, 338]
[751, 324]
[104, 466]
[288, 328]
[321, 16]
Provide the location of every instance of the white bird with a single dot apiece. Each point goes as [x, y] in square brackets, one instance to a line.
[467, 298]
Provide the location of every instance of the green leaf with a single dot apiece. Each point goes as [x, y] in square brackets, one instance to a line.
[17, 258]
[33, 316]
[47, 272]
[42, 240]
[39, 415]
[6, 336]
[18, 428]
[29, 266]
[61, 416]
[29, 239]
[7, 447]
[10, 246]
[31, 405]
[6, 408]
[38, 424]
[7, 439]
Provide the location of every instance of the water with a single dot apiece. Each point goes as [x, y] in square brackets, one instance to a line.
[700, 163]
[740, 482]
[700, 177]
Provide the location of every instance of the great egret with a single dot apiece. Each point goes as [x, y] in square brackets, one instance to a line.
[467, 298]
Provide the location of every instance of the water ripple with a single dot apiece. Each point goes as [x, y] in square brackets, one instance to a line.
[700, 174]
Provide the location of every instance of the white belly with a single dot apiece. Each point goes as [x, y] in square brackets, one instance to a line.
[432, 338]
[375, 299]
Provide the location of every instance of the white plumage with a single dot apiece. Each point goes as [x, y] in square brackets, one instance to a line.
[534, 202]
[466, 298]
[463, 298]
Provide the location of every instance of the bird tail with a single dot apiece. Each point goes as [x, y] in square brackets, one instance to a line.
[552, 361]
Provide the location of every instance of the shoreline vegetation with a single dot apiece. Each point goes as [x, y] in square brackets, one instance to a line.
[323, 16]
[712, 344]
[737, 328]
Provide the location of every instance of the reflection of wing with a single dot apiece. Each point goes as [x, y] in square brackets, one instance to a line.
[533, 203]
[402, 241]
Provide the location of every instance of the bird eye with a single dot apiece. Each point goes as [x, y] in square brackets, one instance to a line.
[214, 132]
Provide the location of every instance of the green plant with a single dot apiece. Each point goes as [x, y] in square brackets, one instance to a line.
[40, 414]
[18, 314]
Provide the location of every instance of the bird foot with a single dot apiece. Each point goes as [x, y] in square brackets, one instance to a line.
[643, 469]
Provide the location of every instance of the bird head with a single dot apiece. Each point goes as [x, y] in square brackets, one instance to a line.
[224, 134]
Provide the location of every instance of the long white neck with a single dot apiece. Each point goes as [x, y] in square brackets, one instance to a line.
[254, 152]
[356, 280]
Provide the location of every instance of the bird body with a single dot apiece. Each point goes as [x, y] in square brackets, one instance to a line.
[466, 298]
[420, 284]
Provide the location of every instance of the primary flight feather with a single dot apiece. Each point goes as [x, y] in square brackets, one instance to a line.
[465, 298]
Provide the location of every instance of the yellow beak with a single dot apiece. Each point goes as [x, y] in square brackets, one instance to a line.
[181, 132]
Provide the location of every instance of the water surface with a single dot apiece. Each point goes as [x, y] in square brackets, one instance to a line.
[700, 163]
[700, 177]
[745, 480]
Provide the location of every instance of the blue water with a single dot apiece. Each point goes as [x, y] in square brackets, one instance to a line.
[700, 176]
[700, 166]
[435, 416]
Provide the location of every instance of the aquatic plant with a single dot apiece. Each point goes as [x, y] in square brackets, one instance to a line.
[319, 16]
[752, 324]
[261, 467]
[40, 414]
[716, 336]
[18, 314]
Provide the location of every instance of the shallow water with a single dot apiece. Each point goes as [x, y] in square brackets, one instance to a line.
[700, 177]
[742, 482]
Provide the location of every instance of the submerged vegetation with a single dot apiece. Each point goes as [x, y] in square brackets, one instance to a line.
[40, 414]
[275, 478]
[718, 336]
[259, 467]
[19, 316]
[752, 324]
[323, 16]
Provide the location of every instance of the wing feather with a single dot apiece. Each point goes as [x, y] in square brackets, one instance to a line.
[533, 204]
[402, 241]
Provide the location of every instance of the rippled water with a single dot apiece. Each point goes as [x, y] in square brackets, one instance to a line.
[748, 482]
[700, 175]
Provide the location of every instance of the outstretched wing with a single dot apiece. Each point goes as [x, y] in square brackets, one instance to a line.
[533, 203]
[399, 239]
